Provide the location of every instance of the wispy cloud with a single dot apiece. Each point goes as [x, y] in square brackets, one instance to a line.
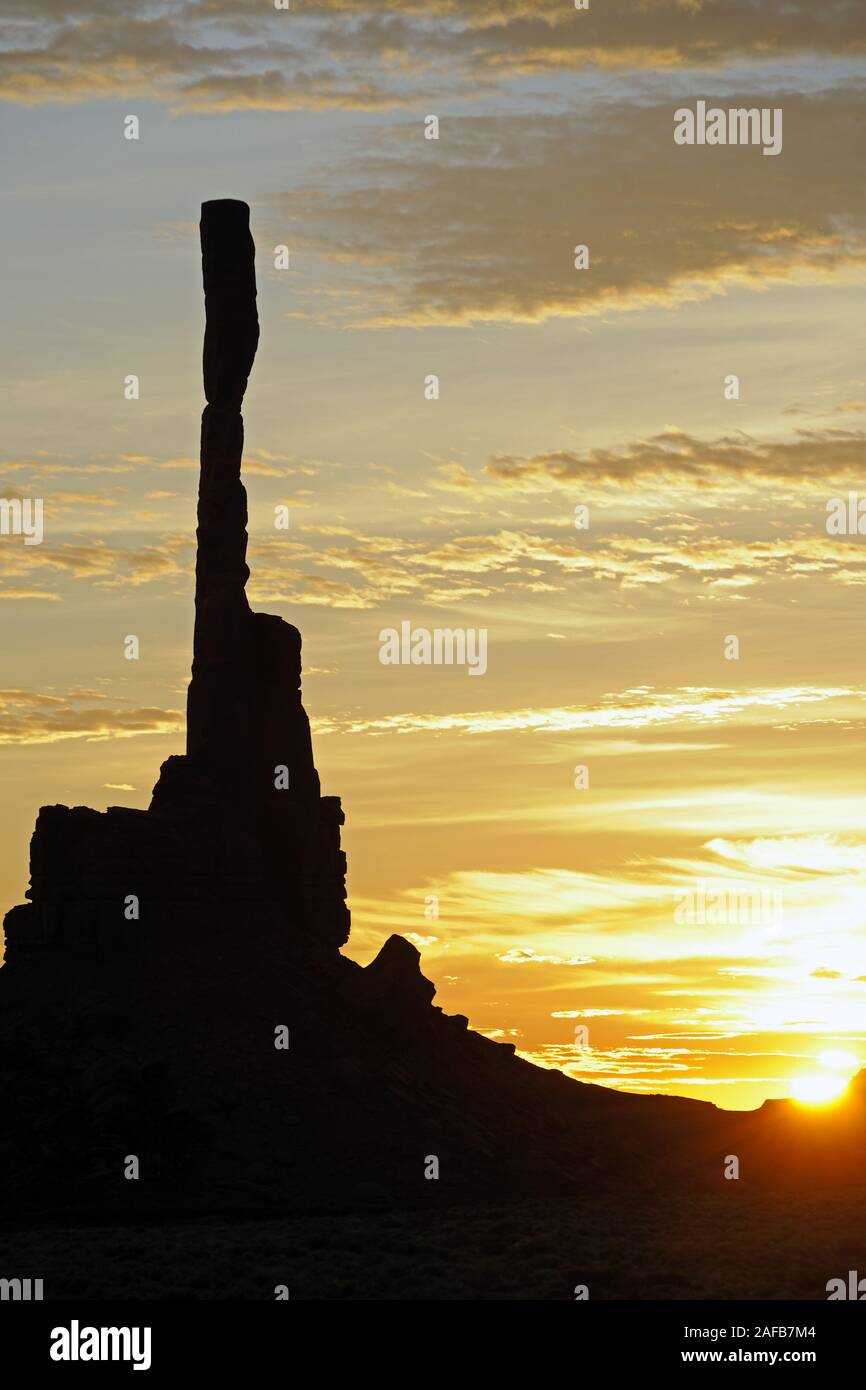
[218, 55]
[707, 470]
[485, 230]
[31, 717]
[638, 709]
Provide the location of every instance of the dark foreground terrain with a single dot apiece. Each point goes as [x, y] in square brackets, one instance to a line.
[732, 1246]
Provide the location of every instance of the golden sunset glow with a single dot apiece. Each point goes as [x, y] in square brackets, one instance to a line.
[687, 914]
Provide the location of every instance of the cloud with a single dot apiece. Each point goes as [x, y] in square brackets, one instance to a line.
[276, 90]
[534, 36]
[482, 225]
[340, 567]
[598, 1013]
[646, 1069]
[809, 461]
[39, 466]
[108, 567]
[324, 566]
[218, 55]
[193, 57]
[525, 955]
[797, 856]
[639, 709]
[28, 717]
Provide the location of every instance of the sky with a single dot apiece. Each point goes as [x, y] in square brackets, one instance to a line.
[687, 914]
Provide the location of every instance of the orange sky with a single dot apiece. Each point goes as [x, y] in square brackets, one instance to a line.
[697, 909]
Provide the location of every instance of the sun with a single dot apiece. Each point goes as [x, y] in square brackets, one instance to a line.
[834, 1059]
[818, 1090]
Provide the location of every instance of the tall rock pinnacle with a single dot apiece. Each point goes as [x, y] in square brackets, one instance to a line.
[248, 736]
[239, 820]
[244, 713]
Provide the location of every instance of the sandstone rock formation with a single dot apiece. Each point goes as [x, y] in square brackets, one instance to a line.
[240, 817]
